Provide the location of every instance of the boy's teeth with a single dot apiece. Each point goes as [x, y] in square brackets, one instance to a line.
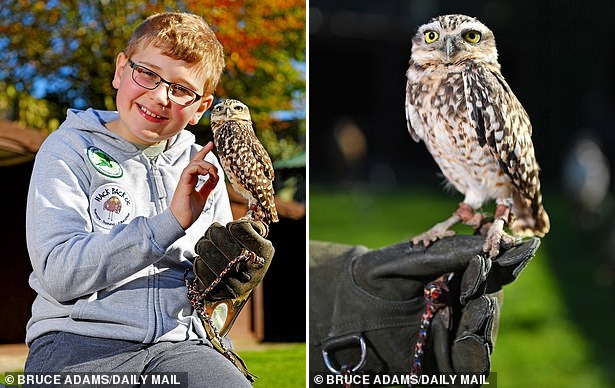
[149, 113]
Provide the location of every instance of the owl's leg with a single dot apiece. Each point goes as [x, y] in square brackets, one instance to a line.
[469, 216]
[496, 236]
[252, 211]
[256, 214]
[437, 232]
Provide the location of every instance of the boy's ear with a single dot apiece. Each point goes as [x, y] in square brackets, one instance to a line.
[120, 64]
[204, 104]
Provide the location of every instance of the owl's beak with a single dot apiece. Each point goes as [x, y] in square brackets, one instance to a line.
[449, 47]
[227, 112]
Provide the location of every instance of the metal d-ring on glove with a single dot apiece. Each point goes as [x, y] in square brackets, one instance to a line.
[343, 342]
[232, 260]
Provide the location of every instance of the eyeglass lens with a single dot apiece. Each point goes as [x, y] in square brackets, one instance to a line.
[150, 80]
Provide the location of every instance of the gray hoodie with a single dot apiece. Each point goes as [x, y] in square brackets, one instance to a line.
[108, 256]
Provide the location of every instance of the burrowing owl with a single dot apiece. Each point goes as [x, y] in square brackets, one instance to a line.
[244, 159]
[459, 104]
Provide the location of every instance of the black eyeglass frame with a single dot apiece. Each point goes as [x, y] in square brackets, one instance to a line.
[134, 65]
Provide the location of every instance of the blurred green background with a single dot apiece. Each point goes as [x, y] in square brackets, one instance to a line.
[557, 321]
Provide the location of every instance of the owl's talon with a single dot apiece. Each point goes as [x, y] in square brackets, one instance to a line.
[260, 225]
[509, 241]
[498, 239]
[432, 235]
[263, 228]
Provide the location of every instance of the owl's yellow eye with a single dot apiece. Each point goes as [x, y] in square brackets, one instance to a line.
[472, 36]
[431, 36]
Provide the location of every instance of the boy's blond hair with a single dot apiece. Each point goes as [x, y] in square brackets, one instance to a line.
[182, 36]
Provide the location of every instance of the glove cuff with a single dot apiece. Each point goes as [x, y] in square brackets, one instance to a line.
[348, 316]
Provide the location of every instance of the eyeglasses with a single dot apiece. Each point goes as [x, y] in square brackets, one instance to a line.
[148, 79]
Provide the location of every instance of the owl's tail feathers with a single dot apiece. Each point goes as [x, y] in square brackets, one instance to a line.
[530, 221]
[272, 214]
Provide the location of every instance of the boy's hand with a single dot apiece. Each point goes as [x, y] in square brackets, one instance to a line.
[188, 203]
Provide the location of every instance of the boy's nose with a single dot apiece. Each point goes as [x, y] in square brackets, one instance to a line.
[161, 94]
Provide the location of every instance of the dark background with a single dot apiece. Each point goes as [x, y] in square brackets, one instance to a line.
[15, 294]
[558, 57]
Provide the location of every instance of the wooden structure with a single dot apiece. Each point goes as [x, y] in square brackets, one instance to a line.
[251, 325]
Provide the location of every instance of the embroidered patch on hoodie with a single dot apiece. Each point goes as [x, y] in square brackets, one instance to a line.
[104, 163]
[111, 205]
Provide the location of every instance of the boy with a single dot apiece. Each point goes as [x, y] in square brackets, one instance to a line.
[113, 217]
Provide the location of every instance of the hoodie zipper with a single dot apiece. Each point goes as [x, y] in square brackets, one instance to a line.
[159, 190]
[160, 194]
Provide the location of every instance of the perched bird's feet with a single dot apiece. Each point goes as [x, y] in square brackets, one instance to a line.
[259, 224]
[263, 228]
[498, 239]
[437, 232]
[256, 212]
[257, 216]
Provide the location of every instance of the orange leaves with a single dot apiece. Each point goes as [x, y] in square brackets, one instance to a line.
[263, 40]
[250, 28]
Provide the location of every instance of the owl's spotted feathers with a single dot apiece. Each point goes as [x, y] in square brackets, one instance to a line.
[244, 159]
[459, 104]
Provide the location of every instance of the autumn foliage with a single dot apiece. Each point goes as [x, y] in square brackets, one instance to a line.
[64, 51]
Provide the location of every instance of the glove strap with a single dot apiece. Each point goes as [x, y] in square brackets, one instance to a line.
[197, 300]
[435, 294]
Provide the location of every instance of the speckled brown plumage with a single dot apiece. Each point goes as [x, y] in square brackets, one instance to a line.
[244, 159]
[459, 104]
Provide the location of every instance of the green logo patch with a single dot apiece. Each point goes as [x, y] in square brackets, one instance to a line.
[104, 163]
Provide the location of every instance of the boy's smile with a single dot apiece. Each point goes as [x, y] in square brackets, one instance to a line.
[151, 116]
[147, 114]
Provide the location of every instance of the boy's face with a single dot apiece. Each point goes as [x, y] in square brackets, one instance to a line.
[148, 116]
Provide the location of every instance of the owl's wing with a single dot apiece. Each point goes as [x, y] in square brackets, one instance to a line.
[415, 125]
[503, 125]
[262, 156]
[246, 157]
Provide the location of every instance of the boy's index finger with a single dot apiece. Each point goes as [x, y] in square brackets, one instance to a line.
[204, 151]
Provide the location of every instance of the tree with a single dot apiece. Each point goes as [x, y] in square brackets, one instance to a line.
[64, 52]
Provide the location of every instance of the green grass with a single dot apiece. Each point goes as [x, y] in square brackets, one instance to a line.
[277, 366]
[558, 319]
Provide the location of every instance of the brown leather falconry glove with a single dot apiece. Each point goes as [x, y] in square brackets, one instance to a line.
[232, 260]
[219, 246]
[369, 313]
